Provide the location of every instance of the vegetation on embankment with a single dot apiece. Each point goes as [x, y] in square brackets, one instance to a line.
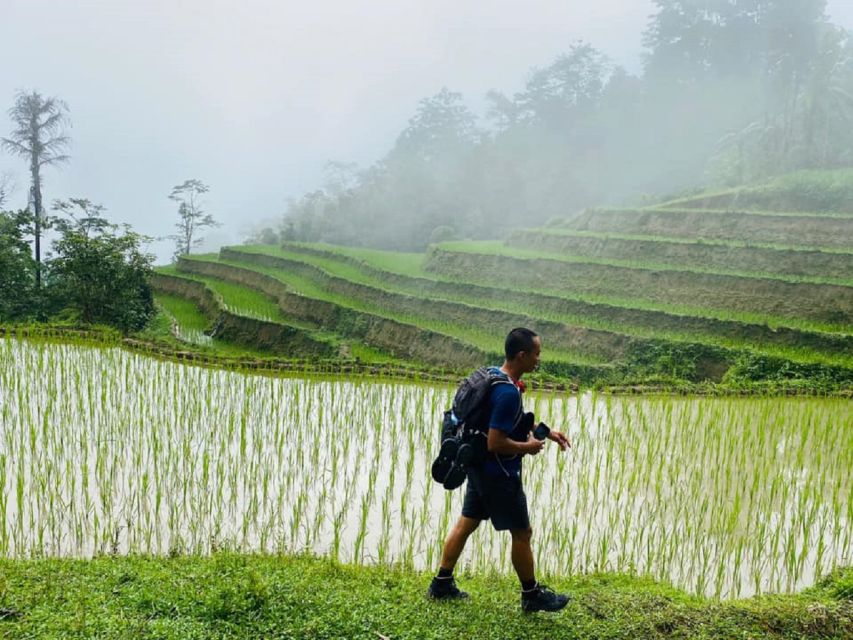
[453, 315]
[268, 335]
[683, 299]
[633, 358]
[397, 324]
[253, 596]
[716, 255]
[316, 285]
[800, 191]
[393, 335]
[771, 228]
[156, 341]
[404, 273]
[823, 304]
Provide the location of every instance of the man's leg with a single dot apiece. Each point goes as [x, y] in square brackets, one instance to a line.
[533, 596]
[522, 555]
[443, 586]
[455, 541]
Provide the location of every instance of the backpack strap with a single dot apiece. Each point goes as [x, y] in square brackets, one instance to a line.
[500, 377]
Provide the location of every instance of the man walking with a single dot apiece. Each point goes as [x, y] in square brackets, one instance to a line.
[494, 491]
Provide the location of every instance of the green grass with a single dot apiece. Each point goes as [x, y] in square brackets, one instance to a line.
[239, 299]
[601, 235]
[251, 596]
[404, 266]
[333, 265]
[248, 302]
[689, 310]
[808, 192]
[498, 248]
[392, 263]
[184, 311]
[159, 331]
[404, 263]
[671, 208]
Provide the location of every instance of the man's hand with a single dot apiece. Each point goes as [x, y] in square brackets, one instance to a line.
[533, 446]
[560, 439]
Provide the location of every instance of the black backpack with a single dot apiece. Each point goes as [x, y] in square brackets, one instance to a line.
[464, 430]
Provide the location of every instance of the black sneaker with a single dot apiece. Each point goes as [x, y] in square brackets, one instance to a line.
[459, 469]
[543, 599]
[446, 456]
[445, 589]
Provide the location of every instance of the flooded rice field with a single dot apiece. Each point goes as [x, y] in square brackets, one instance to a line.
[104, 451]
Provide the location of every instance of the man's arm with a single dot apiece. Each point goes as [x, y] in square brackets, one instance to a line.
[499, 442]
[561, 439]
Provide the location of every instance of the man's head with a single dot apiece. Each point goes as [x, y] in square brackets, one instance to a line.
[522, 348]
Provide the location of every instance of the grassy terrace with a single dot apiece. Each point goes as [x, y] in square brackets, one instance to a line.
[402, 273]
[410, 265]
[311, 288]
[815, 192]
[593, 347]
[734, 244]
[174, 309]
[717, 255]
[186, 313]
[237, 299]
[832, 230]
[675, 208]
[827, 304]
[249, 303]
[189, 322]
[496, 247]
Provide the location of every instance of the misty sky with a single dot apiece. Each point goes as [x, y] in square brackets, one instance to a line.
[253, 97]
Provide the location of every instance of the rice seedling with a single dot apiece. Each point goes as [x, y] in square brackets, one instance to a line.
[105, 451]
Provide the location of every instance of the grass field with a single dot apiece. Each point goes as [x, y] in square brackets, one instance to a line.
[229, 596]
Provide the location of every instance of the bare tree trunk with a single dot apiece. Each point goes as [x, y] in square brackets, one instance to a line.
[188, 238]
[34, 168]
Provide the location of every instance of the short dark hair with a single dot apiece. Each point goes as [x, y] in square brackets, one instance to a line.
[519, 339]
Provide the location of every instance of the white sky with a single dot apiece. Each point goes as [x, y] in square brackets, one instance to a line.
[253, 97]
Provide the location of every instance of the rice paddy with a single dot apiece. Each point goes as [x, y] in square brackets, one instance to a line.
[188, 322]
[104, 451]
[332, 260]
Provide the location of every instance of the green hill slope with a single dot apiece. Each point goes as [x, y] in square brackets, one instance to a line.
[672, 294]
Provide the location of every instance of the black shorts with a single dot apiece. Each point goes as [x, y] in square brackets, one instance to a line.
[500, 499]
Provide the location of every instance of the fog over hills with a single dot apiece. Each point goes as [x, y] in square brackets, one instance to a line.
[254, 98]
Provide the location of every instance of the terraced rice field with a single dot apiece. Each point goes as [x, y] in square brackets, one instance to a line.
[611, 296]
[724, 497]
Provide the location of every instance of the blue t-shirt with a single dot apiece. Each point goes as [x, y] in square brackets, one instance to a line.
[506, 411]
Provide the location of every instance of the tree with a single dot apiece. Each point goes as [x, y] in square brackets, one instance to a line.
[16, 266]
[441, 126]
[99, 270]
[82, 215]
[809, 108]
[7, 186]
[38, 136]
[567, 88]
[191, 216]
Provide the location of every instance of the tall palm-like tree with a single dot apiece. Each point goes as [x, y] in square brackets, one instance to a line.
[39, 136]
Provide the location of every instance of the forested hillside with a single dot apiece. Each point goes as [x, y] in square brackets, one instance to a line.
[730, 93]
